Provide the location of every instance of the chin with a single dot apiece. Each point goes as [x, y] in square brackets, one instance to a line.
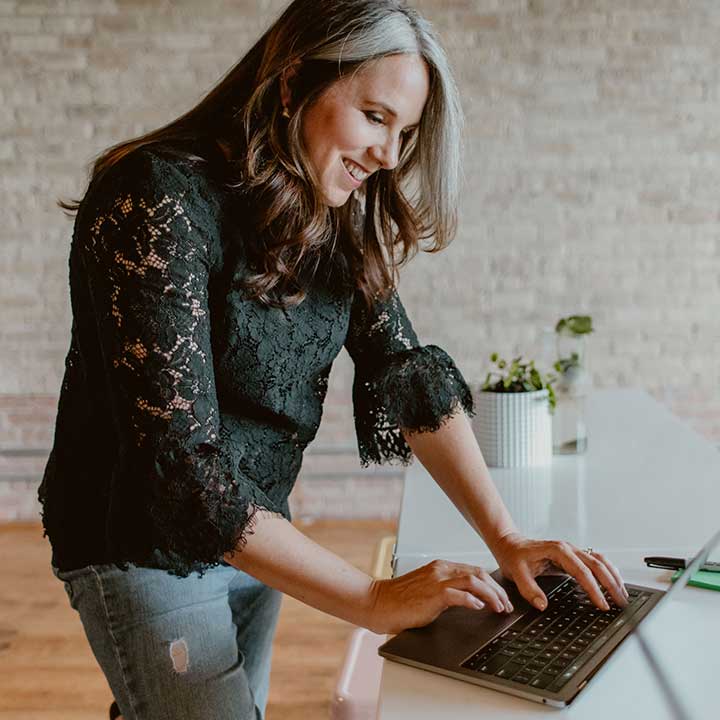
[339, 203]
[336, 199]
[333, 193]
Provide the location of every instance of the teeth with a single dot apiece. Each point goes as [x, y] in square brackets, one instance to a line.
[355, 170]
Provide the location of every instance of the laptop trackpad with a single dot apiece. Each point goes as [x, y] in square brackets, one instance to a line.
[458, 631]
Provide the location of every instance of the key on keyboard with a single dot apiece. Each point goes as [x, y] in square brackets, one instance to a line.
[546, 649]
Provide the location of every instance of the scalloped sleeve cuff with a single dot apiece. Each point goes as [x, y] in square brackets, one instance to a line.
[416, 391]
[201, 506]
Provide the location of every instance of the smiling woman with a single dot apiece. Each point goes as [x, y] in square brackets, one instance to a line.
[218, 266]
[351, 131]
[365, 86]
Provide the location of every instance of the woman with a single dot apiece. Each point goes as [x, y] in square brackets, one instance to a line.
[218, 266]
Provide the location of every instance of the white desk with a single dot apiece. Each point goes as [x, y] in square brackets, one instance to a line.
[648, 484]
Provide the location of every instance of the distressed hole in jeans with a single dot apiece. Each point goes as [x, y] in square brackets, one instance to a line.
[179, 655]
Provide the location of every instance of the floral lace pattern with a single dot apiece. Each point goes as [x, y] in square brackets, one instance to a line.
[186, 407]
[148, 265]
[399, 385]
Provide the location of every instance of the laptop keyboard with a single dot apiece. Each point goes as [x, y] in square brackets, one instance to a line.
[544, 650]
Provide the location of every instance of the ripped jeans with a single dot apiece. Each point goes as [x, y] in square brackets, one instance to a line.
[179, 648]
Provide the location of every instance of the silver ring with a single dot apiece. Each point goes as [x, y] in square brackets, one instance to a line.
[589, 551]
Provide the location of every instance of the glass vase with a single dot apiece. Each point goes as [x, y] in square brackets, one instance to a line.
[571, 390]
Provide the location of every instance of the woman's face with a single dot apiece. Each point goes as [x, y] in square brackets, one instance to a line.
[355, 128]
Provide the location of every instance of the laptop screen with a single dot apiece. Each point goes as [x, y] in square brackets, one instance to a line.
[677, 641]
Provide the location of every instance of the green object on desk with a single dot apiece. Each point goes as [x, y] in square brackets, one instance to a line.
[702, 578]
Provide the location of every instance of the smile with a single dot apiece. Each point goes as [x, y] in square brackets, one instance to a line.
[355, 170]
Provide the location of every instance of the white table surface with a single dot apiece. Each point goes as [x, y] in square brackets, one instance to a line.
[648, 484]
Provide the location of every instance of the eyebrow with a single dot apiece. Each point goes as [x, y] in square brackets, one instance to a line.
[385, 107]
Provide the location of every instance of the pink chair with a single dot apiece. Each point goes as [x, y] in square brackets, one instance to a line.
[358, 683]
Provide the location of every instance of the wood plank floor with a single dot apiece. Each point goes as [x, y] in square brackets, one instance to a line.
[47, 671]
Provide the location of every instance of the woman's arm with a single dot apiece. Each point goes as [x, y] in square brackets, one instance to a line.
[282, 557]
[453, 458]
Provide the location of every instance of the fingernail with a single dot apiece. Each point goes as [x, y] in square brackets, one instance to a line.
[539, 602]
[509, 607]
[605, 605]
[627, 594]
[479, 604]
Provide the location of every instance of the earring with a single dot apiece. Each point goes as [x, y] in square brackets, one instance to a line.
[286, 113]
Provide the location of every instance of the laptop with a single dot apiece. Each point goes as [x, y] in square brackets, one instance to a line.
[548, 657]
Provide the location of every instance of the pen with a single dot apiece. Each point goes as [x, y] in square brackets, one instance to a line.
[672, 563]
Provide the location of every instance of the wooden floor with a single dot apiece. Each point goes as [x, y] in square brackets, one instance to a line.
[47, 671]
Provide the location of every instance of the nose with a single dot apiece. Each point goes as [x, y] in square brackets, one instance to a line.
[387, 154]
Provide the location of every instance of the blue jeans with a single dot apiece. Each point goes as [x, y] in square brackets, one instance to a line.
[179, 648]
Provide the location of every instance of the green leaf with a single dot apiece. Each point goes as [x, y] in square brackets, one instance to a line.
[518, 376]
[575, 325]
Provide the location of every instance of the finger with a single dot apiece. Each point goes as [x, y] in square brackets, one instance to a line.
[606, 578]
[615, 572]
[564, 556]
[485, 576]
[480, 589]
[499, 589]
[461, 573]
[528, 588]
[461, 598]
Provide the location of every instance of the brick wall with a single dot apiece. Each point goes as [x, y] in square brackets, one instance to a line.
[592, 168]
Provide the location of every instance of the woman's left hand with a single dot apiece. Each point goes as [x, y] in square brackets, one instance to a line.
[521, 560]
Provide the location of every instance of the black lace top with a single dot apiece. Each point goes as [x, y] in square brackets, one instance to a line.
[185, 407]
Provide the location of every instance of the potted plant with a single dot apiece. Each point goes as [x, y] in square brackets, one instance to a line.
[513, 423]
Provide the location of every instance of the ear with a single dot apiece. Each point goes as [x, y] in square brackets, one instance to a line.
[286, 78]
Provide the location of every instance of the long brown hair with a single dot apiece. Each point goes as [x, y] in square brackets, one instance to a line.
[322, 41]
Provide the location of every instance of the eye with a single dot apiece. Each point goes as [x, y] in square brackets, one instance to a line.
[374, 118]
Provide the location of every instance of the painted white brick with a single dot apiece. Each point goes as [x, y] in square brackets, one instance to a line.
[30, 43]
[50, 61]
[7, 150]
[67, 7]
[68, 25]
[18, 24]
[592, 166]
[182, 41]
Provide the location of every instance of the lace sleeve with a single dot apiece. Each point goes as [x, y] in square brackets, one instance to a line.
[146, 257]
[398, 382]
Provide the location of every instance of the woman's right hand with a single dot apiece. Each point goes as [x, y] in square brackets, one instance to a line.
[418, 597]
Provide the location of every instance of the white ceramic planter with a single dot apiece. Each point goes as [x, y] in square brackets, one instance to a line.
[514, 429]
